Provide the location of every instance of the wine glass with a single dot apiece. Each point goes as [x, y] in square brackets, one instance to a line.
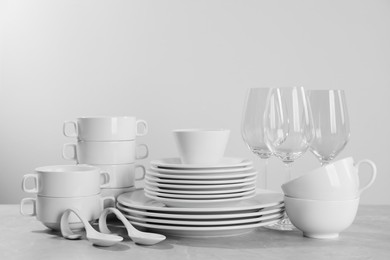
[331, 123]
[252, 128]
[288, 130]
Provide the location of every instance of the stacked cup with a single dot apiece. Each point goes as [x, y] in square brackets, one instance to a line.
[324, 202]
[60, 187]
[110, 144]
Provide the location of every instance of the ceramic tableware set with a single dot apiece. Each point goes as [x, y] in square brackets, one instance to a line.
[60, 187]
[324, 202]
[201, 193]
[109, 143]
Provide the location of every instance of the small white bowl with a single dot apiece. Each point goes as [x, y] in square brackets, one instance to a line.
[201, 146]
[321, 219]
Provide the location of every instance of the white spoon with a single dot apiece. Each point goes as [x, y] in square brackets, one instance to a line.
[139, 237]
[92, 235]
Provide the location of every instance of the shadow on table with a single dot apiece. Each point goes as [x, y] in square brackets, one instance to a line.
[259, 238]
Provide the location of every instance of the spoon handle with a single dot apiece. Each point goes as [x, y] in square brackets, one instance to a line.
[65, 222]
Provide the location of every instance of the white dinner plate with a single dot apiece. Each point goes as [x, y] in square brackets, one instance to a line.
[225, 172]
[175, 163]
[201, 232]
[263, 199]
[198, 186]
[200, 196]
[196, 203]
[199, 181]
[208, 176]
[202, 223]
[203, 215]
[199, 192]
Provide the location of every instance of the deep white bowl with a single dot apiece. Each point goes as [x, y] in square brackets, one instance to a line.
[321, 219]
[335, 181]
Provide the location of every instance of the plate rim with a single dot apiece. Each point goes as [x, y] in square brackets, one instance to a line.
[198, 186]
[161, 164]
[238, 208]
[211, 228]
[200, 181]
[225, 222]
[201, 216]
[203, 196]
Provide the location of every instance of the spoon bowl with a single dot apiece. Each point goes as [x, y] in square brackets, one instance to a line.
[139, 237]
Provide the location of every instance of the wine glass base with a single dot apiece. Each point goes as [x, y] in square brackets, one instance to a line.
[283, 225]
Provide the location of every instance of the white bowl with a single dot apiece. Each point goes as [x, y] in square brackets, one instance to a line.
[321, 219]
[201, 146]
[335, 181]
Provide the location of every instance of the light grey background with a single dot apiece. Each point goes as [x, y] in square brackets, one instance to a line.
[181, 64]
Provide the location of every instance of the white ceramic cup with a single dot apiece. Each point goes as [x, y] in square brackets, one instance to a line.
[335, 181]
[122, 152]
[66, 181]
[49, 210]
[123, 175]
[201, 146]
[122, 128]
[321, 219]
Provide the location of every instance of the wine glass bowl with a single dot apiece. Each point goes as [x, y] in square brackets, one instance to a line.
[288, 130]
[252, 129]
[330, 122]
[288, 124]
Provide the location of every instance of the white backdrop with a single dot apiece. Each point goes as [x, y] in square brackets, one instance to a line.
[181, 63]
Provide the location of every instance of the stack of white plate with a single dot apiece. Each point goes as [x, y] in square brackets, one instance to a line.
[263, 209]
[187, 185]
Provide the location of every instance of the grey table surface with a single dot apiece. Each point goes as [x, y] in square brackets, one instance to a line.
[367, 238]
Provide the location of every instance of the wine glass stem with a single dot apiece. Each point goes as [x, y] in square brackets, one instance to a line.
[265, 173]
[289, 173]
[323, 163]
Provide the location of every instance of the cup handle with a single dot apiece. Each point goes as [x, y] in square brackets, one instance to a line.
[146, 151]
[143, 172]
[111, 201]
[25, 178]
[373, 173]
[143, 125]
[23, 202]
[75, 127]
[65, 156]
[106, 179]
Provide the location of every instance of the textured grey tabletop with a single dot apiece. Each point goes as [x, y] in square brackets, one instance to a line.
[368, 238]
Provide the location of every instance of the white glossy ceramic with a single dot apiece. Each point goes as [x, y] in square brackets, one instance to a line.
[95, 237]
[335, 181]
[183, 175]
[122, 152]
[49, 210]
[321, 219]
[122, 128]
[206, 231]
[200, 192]
[199, 203]
[197, 187]
[202, 223]
[263, 199]
[66, 181]
[201, 146]
[175, 164]
[199, 181]
[204, 197]
[202, 216]
[139, 237]
[123, 175]
[114, 192]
